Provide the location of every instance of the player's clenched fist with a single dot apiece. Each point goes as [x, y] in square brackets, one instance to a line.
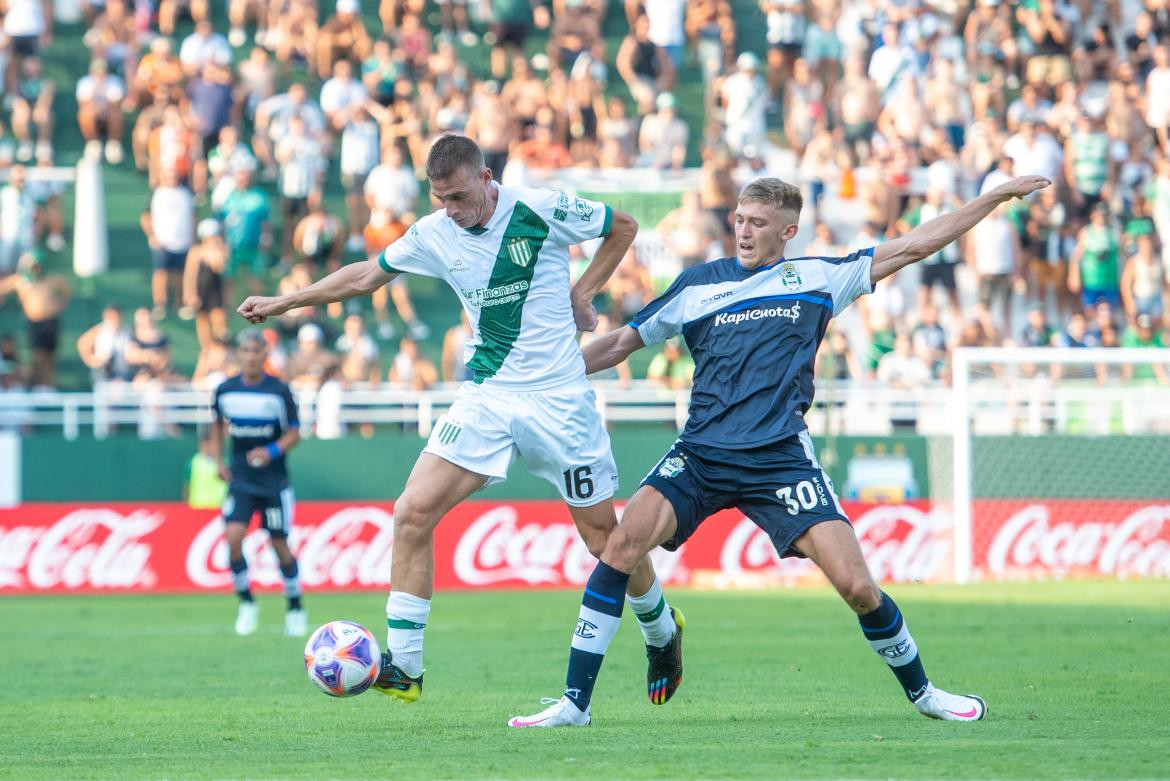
[257, 309]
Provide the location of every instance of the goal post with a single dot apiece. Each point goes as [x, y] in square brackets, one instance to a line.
[1061, 463]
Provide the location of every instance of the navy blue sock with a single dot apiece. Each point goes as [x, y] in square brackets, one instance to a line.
[600, 616]
[240, 579]
[888, 636]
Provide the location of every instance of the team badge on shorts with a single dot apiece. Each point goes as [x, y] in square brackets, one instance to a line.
[449, 432]
[672, 467]
[789, 276]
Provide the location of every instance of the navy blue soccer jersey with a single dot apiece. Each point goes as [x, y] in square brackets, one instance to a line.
[256, 415]
[753, 334]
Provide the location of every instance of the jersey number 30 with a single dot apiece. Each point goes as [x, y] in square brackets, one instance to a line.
[806, 495]
[578, 482]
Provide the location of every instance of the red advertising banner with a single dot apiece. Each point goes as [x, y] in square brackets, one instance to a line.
[1119, 538]
[481, 544]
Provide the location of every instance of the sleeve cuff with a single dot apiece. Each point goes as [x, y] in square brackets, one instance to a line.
[607, 223]
[386, 266]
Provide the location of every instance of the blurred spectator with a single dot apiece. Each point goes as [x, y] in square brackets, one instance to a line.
[99, 112]
[512, 21]
[216, 363]
[902, 369]
[148, 353]
[575, 28]
[929, 339]
[102, 347]
[245, 216]
[381, 232]
[856, 104]
[173, 147]
[1093, 267]
[542, 151]
[211, 104]
[994, 254]
[453, 21]
[277, 362]
[28, 25]
[239, 12]
[343, 36]
[1037, 332]
[149, 120]
[341, 94]
[1045, 242]
[18, 220]
[836, 360]
[43, 297]
[113, 37]
[745, 103]
[662, 139]
[616, 132]
[158, 74]
[938, 270]
[1143, 282]
[672, 367]
[274, 117]
[168, 12]
[32, 109]
[492, 127]
[223, 161]
[688, 231]
[302, 166]
[312, 361]
[646, 69]
[524, 94]
[454, 359]
[1087, 167]
[169, 225]
[1143, 333]
[410, 369]
[202, 46]
[359, 154]
[710, 28]
[205, 283]
[358, 352]
[391, 188]
[381, 71]
[257, 81]
[203, 488]
[1157, 96]
[631, 287]
[292, 321]
[294, 36]
[319, 238]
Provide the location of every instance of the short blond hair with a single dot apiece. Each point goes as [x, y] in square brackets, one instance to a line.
[773, 192]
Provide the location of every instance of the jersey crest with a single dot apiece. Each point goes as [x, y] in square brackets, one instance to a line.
[520, 252]
[789, 276]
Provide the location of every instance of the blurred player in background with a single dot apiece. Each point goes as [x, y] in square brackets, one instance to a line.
[753, 324]
[258, 412]
[504, 250]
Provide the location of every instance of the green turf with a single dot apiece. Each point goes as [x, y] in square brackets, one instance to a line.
[778, 685]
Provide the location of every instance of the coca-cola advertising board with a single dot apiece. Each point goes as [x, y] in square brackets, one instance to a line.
[481, 544]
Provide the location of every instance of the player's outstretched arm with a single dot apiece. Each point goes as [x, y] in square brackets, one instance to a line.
[611, 349]
[622, 232]
[930, 237]
[348, 281]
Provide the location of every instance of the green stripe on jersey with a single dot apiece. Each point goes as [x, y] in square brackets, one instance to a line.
[503, 301]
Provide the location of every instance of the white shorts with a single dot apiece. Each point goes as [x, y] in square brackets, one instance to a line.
[558, 432]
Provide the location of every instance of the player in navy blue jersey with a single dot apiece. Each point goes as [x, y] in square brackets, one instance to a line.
[753, 324]
[258, 412]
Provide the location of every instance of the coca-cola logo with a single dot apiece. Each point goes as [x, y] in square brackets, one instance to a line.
[497, 548]
[1030, 541]
[900, 543]
[90, 547]
[350, 547]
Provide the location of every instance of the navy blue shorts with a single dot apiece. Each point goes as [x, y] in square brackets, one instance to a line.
[276, 509]
[780, 487]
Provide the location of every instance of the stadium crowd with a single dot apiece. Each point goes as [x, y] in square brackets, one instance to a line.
[888, 113]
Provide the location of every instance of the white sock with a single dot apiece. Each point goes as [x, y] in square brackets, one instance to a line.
[653, 615]
[406, 617]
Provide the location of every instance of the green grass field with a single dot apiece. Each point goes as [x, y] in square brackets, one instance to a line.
[779, 685]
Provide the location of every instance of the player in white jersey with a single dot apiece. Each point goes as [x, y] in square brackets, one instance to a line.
[504, 251]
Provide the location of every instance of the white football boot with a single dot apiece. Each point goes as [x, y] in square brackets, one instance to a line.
[296, 623]
[559, 713]
[247, 618]
[938, 704]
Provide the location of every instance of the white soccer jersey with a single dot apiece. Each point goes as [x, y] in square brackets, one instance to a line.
[512, 276]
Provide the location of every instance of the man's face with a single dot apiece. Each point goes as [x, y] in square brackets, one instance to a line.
[761, 231]
[464, 195]
[252, 356]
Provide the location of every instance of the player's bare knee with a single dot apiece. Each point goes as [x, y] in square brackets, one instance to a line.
[623, 551]
[861, 593]
[413, 520]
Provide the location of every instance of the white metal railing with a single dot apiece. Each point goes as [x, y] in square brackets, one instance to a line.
[1035, 404]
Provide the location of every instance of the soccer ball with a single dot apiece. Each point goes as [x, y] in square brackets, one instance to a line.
[342, 659]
